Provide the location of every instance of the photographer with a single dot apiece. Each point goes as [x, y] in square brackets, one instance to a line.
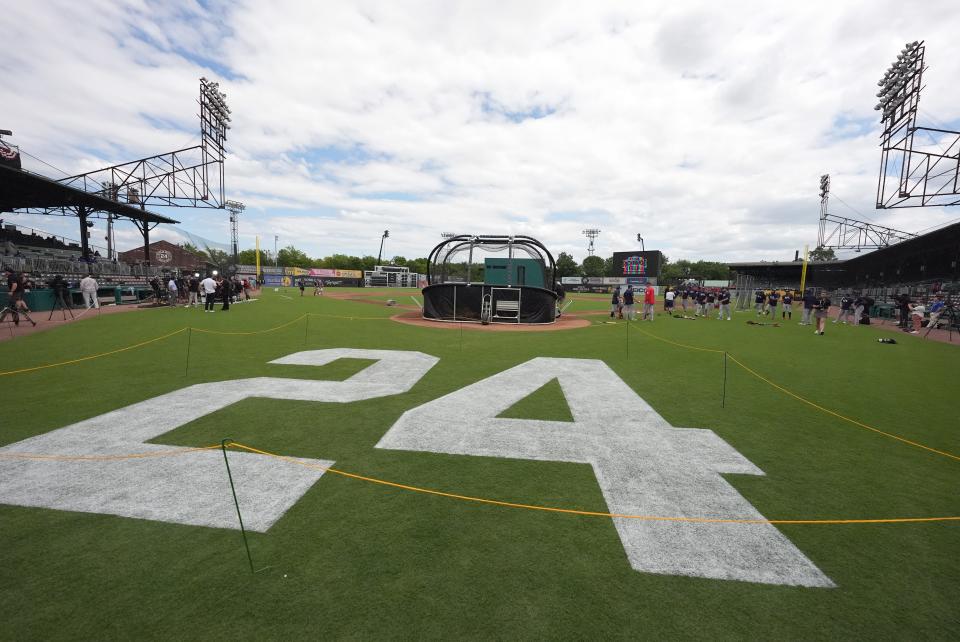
[194, 286]
[16, 306]
[155, 285]
[61, 291]
[905, 304]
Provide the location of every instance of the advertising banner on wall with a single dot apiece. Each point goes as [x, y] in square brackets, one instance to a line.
[571, 280]
[274, 280]
[329, 273]
[295, 271]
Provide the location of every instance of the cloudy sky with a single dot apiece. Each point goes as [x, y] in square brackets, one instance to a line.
[703, 126]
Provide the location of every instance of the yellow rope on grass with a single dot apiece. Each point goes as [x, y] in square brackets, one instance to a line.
[588, 513]
[812, 404]
[93, 356]
[283, 325]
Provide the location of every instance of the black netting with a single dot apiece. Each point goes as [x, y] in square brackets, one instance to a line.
[463, 259]
[462, 302]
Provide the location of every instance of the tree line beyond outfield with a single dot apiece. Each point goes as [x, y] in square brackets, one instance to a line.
[290, 256]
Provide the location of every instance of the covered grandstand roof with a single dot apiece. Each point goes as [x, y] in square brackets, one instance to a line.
[761, 264]
[931, 256]
[20, 189]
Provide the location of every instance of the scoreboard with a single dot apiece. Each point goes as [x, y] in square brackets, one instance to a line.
[637, 266]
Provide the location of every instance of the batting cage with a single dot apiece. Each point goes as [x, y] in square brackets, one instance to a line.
[491, 279]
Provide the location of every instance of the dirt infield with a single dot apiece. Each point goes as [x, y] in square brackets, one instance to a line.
[9, 331]
[563, 323]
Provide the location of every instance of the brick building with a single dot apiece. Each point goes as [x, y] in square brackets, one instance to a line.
[165, 254]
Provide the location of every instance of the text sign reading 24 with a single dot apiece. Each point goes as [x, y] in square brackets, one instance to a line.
[643, 465]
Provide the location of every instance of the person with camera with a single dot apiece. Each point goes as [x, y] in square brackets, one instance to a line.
[858, 305]
[155, 286]
[193, 286]
[16, 306]
[88, 289]
[61, 292]
[223, 285]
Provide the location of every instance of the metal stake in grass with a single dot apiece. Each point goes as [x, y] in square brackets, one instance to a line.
[723, 399]
[243, 531]
[628, 338]
[186, 370]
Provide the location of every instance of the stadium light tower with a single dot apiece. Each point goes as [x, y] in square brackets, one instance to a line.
[930, 174]
[235, 207]
[591, 235]
[385, 235]
[842, 233]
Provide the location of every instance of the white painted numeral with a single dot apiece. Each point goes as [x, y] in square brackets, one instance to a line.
[644, 466]
[190, 488]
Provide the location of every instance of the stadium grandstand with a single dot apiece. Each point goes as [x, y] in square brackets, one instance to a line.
[921, 266]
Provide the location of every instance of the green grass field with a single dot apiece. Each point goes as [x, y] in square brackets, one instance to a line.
[353, 559]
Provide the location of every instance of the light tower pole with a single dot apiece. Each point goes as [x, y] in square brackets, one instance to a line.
[386, 234]
[235, 207]
[591, 235]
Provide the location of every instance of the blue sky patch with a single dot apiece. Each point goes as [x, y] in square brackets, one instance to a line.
[846, 125]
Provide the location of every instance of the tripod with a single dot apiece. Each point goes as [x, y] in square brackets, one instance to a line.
[61, 303]
[950, 314]
[11, 308]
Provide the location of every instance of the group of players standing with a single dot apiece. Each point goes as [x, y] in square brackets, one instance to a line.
[767, 303]
[701, 299]
[816, 306]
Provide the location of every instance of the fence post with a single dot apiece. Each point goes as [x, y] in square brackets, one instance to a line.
[723, 399]
[186, 370]
[243, 531]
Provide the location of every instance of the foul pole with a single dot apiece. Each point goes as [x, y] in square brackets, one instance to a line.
[258, 258]
[803, 272]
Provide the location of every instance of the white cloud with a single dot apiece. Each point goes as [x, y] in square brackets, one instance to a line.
[703, 127]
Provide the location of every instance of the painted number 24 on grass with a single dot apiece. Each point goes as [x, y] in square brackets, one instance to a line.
[643, 465]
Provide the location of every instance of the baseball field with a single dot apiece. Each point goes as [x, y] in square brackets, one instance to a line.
[680, 478]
